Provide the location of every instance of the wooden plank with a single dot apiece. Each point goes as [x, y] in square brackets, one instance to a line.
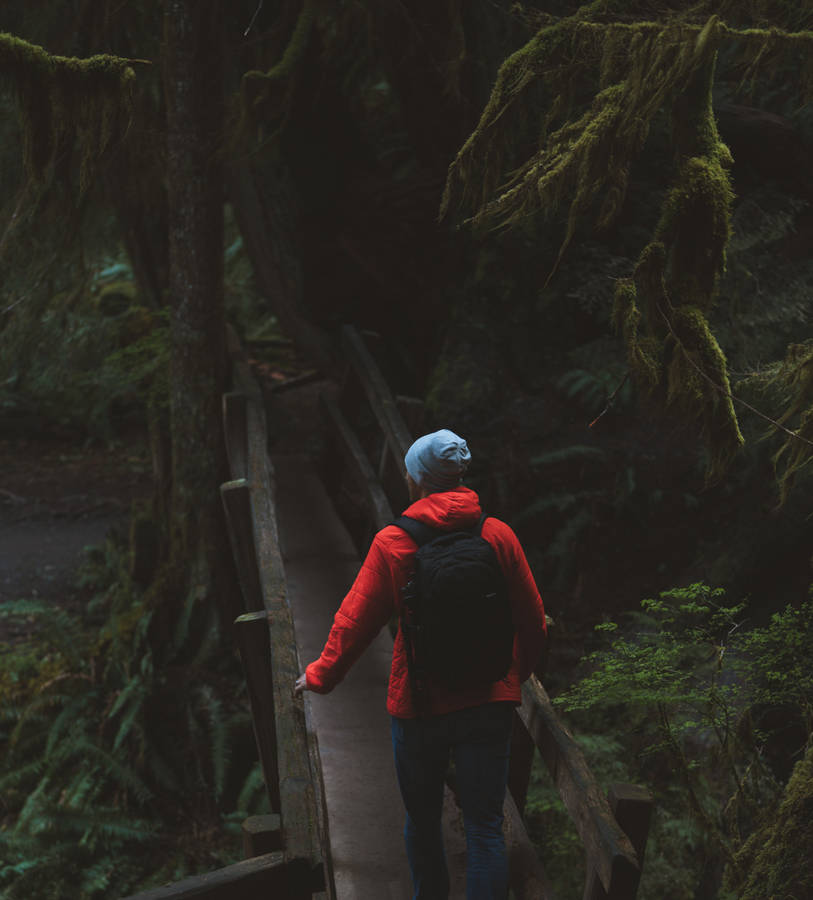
[261, 834]
[608, 849]
[236, 497]
[321, 803]
[391, 476]
[412, 412]
[374, 498]
[250, 879]
[297, 799]
[251, 631]
[632, 807]
[234, 430]
[378, 394]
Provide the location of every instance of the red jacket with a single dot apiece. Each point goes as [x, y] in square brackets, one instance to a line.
[376, 595]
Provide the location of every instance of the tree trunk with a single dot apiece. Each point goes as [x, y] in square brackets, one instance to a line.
[260, 200]
[194, 94]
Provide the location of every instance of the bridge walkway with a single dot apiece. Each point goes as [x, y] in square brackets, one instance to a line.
[365, 813]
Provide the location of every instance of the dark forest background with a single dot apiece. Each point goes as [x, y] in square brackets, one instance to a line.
[282, 167]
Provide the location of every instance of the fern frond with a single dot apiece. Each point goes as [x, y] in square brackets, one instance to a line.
[112, 769]
[557, 503]
[218, 736]
[129, 719]
[71, 719]
[23, 777]
[252, 787]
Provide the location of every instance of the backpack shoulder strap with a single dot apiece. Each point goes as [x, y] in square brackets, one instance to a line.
[419, 532]
[478, 530]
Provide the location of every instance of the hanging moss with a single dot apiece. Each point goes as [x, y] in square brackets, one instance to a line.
[550, 56]
[696, 224]
[649, 276]
[642, 352]
[698, 384]
[64, 102]
[583, 164]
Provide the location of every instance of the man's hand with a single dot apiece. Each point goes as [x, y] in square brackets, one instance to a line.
[301, 684]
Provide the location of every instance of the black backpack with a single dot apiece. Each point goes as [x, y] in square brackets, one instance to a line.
[456, 616]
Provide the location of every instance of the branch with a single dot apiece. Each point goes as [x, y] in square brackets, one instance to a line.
[610, 400]
[728, 394]
[253, 19]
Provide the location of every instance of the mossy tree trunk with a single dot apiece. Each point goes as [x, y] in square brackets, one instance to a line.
[199, 557]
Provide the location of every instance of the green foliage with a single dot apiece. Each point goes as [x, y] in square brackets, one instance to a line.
[603, 79]
[118, 745]
[693, 681]
[112, 359]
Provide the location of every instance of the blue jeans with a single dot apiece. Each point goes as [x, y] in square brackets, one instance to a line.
[478, 739]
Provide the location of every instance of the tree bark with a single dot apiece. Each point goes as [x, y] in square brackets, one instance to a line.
[194, 97]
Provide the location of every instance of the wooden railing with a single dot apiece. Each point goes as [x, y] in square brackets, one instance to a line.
[369, 434]
[287, 851]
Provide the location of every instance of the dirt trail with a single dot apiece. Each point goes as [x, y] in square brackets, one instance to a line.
[56, 498]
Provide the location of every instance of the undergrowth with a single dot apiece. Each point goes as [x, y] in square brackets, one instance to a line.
[124, 762]
[710, 708]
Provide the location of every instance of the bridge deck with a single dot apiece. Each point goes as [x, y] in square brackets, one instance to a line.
[365, 813]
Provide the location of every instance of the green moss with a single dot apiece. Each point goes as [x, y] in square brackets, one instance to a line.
[583, 164]
[696, 224]
[642, 352]
[256, 84]
[698, 384]
[649, 275]
[775, 863]
[64, 100]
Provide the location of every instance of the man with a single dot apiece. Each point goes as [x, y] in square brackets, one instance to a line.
[471, 723]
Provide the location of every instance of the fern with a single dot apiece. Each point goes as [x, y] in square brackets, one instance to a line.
[99, 762]
[253, 787]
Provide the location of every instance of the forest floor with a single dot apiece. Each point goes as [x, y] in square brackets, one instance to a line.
[58, 496]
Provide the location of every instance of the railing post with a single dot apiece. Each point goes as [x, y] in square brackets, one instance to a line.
[261, 834]
[632, 808]
[236, 497]
[235, 430]
[255, 651]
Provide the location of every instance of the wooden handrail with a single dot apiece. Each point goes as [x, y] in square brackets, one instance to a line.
[378, 506]
[252, 634]
[257, 878]
[378, 393]
[608, 848]
[267, 642]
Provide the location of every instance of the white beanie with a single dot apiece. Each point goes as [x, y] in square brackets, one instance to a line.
[436, 462]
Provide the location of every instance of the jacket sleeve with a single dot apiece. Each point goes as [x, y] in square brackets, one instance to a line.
[526, 604]
[366, 608]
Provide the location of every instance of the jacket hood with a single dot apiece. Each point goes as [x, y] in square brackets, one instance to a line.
[459, 508]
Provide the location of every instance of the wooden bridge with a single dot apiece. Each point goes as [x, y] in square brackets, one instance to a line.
[299, 521]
